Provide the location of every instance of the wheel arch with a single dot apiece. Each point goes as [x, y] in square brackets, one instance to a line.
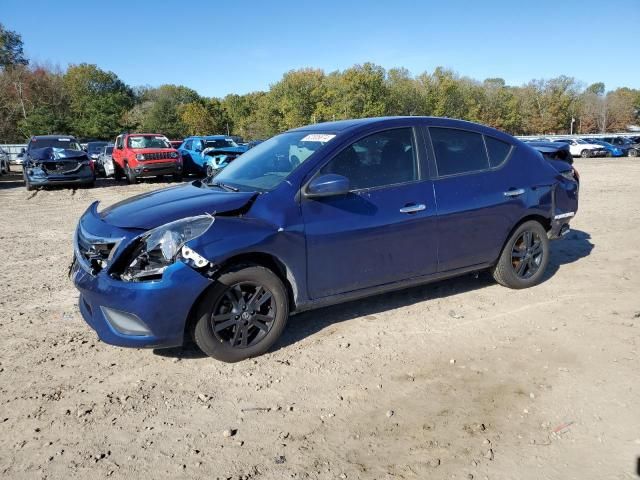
[541, 219]
[262, 259]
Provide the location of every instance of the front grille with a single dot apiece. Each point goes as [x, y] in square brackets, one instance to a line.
[60, 167]
[94, 253]
[157, 156]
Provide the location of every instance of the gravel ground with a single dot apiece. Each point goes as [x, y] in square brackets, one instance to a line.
[460, 379]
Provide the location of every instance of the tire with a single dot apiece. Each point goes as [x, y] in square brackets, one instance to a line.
[226, 344]
[177, 177]
[210, 171]
[585, 153]
[509, 270]
[633, 152]
[117, 172]
[609, 154]
[131, 177]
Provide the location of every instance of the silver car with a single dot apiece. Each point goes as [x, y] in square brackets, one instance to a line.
[104, 162]
[4, 162]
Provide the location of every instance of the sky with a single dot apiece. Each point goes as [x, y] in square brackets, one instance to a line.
[218, 48]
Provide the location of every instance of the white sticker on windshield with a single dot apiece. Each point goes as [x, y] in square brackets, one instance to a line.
[64, 139]
[318, 137]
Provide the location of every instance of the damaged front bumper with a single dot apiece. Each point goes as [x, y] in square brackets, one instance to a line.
[41, 177]
[149, 314]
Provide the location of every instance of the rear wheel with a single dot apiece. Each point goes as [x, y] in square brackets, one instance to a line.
[177, 177]
[633, 152]
[585, 153]
[524, 257]
[242, 315]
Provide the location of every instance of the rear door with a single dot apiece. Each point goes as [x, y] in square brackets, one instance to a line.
[479, 195]
[383, 230]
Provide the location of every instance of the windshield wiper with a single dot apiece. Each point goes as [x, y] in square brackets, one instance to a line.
[224, 186]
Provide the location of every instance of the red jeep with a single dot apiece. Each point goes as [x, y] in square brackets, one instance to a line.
[138, 155]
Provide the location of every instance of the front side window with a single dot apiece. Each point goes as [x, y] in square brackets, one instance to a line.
[119, 142]
[384, 158]
[458, 151]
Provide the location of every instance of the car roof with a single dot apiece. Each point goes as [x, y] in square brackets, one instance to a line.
[354, 124]
[210, 137]
[48, 137]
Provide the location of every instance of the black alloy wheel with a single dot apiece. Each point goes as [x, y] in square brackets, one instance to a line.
[244, 315]
[526, 254]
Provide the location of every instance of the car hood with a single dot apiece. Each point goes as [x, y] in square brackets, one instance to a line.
[50, 154]
[150, 210]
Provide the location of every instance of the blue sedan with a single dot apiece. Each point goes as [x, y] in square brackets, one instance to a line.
[315, 216]
[209, 154]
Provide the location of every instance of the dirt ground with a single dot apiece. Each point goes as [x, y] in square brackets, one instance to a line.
[460, 379]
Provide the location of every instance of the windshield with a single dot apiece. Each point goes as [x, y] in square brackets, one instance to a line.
[94, 147]
[66, 143]
[269, 163]
[220, 143]
[148, 141]
[108, 150]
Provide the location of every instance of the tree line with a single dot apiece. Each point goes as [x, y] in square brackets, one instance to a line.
[91, 103]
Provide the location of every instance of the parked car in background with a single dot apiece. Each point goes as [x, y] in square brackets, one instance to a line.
[209, 154]
[612, 150]
[556, 151]
[4, 162]
[56, 160]
[379, 204]
[137, 155]
[633, 149]
[254, 143]
[94, 148]
[580, 148]
[104, 163]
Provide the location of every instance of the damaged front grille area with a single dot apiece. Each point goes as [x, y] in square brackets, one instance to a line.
[92, 252]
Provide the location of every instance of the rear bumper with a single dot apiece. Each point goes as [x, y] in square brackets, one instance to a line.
[560, 226]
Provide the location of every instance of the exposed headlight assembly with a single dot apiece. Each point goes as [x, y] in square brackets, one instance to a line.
[159, 248]
[140, 156]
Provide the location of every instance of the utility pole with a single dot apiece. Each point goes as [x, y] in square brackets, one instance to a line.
[573, 120]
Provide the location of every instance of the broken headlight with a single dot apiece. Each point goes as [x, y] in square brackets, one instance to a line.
[159, 248]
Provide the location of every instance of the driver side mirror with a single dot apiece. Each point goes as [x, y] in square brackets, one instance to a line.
[327, 185]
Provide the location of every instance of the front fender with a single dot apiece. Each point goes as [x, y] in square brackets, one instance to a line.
[230, 237]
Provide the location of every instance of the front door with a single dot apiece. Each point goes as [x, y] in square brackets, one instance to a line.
[383, 230]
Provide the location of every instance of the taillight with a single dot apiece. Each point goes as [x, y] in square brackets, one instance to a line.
[576, 174]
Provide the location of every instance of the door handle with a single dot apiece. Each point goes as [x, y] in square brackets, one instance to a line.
[514, 193]
[413, 208]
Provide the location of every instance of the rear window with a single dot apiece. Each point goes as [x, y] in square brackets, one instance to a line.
[458, 151]
[498, 150]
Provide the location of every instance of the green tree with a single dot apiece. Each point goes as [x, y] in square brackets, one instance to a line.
[296, 97]
[161, 112]
[11, 49]
[98, 101]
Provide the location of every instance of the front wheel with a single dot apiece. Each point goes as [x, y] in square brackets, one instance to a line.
[177, 177]
[242, 315]
[633, 152]
[524, 257]
[585, 153]
[132, 179]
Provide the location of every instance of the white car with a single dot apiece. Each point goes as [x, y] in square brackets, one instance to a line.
[580, 148]
[4, 162]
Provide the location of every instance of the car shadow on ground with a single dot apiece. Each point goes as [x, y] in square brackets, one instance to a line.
[573, 247]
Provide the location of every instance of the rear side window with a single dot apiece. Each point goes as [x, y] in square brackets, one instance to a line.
[458, 151]
[498, 150]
